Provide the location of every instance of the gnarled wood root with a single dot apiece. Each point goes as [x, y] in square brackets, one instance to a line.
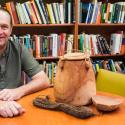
[77, 111]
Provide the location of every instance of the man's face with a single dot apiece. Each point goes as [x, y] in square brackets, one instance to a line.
[5, 28]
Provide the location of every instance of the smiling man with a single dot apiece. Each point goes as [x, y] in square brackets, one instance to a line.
[15, 58]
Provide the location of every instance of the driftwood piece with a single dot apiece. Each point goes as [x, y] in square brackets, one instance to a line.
[79, 112]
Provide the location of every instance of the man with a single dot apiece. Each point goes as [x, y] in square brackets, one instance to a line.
[14, 58]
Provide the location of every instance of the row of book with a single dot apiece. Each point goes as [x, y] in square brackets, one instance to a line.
[114, 66]
[50, 69]
[53, 45]
[97, 44]
[39, 12]
[98, 12]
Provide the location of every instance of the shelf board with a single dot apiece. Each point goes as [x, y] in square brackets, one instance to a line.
[108, 56]
[42, 28]
[47, 58]
[42, 25]
[93, 57]
[101, 25]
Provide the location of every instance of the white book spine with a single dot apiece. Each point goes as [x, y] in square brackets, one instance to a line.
[94, 41]
[115, 43]
[61, 12]
[41, 11]
[54, 48]
[69, 12]
[94, 11]
[56, 12]
[26, 14]
[20, 14]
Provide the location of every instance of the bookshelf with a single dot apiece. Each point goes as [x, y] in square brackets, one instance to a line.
[75, 27]
[104, 29]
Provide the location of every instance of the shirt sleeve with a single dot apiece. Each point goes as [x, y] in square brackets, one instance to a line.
[29, 63]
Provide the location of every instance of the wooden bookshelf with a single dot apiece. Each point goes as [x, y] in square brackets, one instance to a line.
[105, 29]
[75, 28]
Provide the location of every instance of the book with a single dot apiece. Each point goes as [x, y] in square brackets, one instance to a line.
[94, 14]
[115, 43]
[35, 11]
[14, 13]
[26, 15]
[50, 12]
[123, 46]
[81, 43]
[112, 65]
[40, 12]
[84, 11]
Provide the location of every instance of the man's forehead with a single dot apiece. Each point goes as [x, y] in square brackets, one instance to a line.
[4, 17]
[4, 13]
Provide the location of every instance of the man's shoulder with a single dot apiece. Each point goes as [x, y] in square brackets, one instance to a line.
[15, 44]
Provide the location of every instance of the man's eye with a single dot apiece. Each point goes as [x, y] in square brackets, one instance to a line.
[4, 27]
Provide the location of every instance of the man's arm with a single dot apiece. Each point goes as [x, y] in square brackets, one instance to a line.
[39, 81]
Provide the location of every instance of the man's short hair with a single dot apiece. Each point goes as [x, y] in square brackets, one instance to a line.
[5, 10]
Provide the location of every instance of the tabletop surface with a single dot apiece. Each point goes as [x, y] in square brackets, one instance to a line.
[37, 116]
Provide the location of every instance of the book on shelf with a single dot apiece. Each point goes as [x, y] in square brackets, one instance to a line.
[69, 11]
[84, 7]
[122, 65]
[115, 43]
[50, 69]
[69, 43]
[51, 14]
[32, 14]
[123, 45]
[26, 14]
[11, 8]
[41, 12]
[110, 64]
[81, 42]
[44, 11]
[117, 66]
[33, 5]
[104, 45]
[53, 45]
[100, 45]
[97, 44]
[95, 11]
[94, 43]
[101, 12]
[21, 14]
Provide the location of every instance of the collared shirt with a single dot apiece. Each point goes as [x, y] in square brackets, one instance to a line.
[16, 58]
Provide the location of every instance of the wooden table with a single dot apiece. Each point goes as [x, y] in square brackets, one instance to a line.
[36, 116]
